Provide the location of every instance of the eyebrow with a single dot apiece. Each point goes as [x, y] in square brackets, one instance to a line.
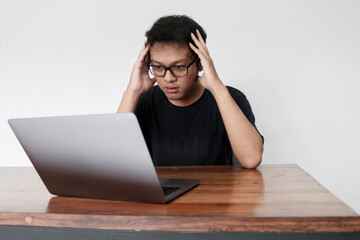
[173, 63]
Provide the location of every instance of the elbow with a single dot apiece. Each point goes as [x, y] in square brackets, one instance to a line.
[251, 160]
[251, 163]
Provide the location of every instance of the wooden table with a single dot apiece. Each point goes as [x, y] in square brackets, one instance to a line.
[229, 202]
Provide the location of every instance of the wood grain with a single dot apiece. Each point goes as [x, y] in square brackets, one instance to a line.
[274, 198]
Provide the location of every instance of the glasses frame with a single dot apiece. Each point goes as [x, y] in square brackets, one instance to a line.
[169, 68]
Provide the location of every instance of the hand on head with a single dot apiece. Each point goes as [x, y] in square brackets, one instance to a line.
[140, 81]
[208, 77]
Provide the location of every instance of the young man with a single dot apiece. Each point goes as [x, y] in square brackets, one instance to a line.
[190, 117]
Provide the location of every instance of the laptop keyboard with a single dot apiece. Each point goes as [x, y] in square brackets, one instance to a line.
[169, 190]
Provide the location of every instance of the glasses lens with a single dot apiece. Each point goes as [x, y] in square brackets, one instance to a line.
[158, 71]
[179, 71]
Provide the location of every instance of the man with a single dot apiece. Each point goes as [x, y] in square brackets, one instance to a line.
[190, 117]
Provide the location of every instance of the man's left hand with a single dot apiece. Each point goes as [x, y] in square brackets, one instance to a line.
[209, 79]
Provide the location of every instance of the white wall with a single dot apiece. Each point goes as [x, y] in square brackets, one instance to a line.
[297, 61]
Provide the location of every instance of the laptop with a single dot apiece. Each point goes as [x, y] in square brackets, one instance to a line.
[101, 156]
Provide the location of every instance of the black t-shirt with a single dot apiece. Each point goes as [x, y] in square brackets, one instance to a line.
[191, 135]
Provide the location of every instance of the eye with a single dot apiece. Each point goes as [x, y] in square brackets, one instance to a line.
[178, 67]
[157, 67]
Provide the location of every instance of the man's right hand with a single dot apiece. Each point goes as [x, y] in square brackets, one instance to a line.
[139, 83]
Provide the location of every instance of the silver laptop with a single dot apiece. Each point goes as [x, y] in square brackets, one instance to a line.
[95, 156]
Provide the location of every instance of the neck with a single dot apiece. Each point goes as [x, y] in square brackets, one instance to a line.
[191, 97]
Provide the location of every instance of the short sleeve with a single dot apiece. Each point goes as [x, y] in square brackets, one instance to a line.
[245, 106]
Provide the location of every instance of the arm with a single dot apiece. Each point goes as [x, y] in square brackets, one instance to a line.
[139, 83]
[245, 141]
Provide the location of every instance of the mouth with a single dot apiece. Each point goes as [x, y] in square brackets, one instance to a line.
[171, 90]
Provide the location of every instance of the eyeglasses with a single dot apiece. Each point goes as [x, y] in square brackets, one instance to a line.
[176, 70]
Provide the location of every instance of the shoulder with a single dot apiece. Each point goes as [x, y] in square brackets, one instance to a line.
[148, 100]
[236, 94]
[241, 100]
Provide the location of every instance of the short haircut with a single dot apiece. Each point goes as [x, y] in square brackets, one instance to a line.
[174, 29]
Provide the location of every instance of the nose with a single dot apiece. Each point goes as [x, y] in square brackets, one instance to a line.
[169, 77]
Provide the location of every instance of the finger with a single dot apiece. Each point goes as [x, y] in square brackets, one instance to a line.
[196, 40]
[200, 45]
[144, 51]
[201, 52]
[197, 51]
[200, 38]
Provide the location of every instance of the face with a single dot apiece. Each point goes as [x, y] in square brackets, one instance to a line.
[181, 91]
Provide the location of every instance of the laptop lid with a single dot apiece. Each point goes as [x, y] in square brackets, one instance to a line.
[95, 156]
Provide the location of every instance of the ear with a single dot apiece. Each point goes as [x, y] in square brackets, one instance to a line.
[199, 66]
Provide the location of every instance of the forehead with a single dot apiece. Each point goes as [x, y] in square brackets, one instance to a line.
[169, 53]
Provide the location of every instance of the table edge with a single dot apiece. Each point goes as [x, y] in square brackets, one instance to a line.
[183, 224]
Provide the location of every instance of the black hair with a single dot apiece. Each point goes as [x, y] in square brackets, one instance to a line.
[174, 29]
